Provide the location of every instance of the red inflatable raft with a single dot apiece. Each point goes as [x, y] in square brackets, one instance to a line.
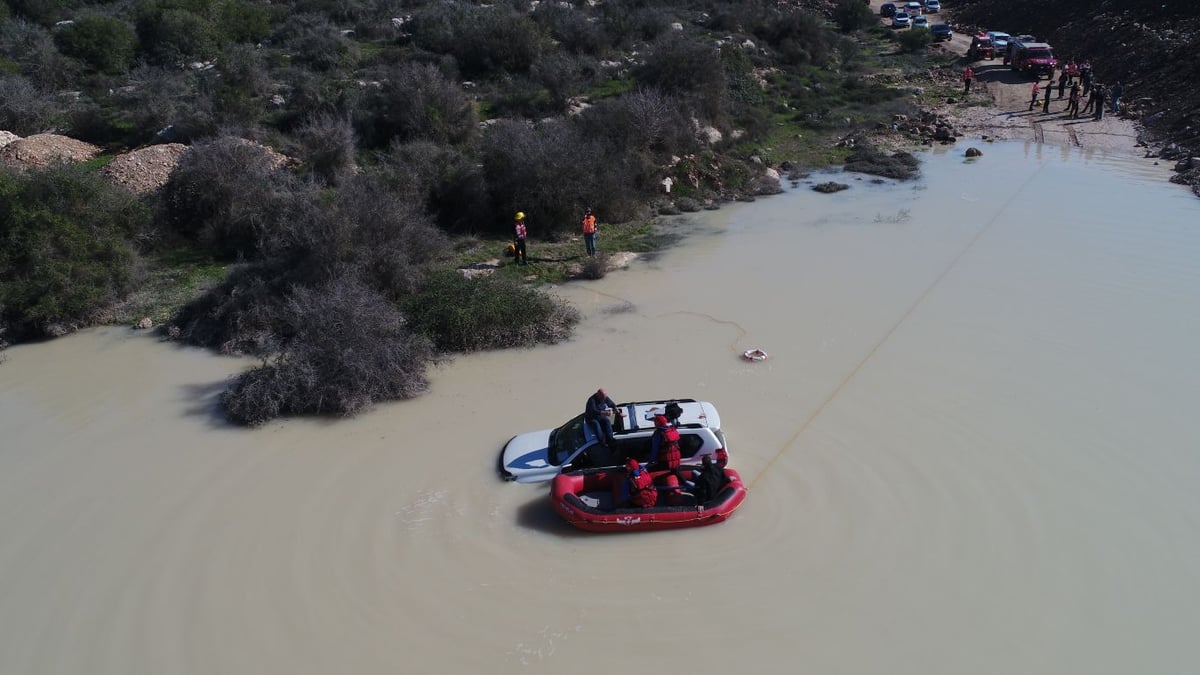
[586, 498]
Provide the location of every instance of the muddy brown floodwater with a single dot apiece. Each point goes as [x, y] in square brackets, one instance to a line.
[974, 449]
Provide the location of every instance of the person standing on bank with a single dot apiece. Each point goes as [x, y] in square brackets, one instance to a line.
[968, 75]
[1034, 95]
[1046, 99]
[519, 235]
[1116, 93]
[1062, 82]
[1098, 92]
[589, 232]
[1073, 106]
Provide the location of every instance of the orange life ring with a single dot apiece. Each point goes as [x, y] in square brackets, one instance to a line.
[754, 355]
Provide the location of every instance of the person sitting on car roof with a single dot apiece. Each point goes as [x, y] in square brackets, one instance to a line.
[599, 410]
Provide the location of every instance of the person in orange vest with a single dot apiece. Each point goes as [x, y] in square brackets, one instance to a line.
[589, 232]
[519, 235]
[968, 75]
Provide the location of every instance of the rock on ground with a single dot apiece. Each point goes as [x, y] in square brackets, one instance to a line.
[146, 170]
[7, 137]
[45, 149]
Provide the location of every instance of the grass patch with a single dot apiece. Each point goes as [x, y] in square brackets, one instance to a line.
[557, 261]
[171, 280]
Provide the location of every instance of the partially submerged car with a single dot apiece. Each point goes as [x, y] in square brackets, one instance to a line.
[539, 456]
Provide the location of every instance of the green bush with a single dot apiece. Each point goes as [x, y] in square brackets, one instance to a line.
[482, 40]
[915, 39]
[239, 21]
[172, 36]
[487, 312]
[852, 15]
[104, 43]
[65, 249]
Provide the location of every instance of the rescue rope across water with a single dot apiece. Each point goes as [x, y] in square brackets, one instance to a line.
[891, 331]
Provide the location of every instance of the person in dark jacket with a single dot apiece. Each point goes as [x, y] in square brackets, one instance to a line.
[1062, 82]
[1098, 92]
[709, 480]
[1046, 99]
[599, 410]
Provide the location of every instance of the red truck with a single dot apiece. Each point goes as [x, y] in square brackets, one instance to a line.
[1035, 58]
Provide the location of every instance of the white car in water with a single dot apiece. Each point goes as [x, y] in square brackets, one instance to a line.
[539, 456]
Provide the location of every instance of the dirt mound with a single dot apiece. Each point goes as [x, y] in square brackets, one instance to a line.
[45, 149]
[146, 170]
[7, 137]
[278, 161]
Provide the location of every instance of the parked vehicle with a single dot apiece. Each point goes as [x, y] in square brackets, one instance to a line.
[1034, 58]
[901, 20]
[941, 31]
[920, 22]
[539, 456]
[887, 9]
[932, 6]
[999, 40]
[914, 9]
[981, 48]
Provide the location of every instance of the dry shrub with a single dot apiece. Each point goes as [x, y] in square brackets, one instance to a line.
[350, 348]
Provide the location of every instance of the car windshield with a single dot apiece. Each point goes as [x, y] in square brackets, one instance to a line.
[1040, 54]
[566, 440]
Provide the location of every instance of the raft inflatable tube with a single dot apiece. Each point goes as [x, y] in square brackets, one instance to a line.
[585, 499]
[754, 355]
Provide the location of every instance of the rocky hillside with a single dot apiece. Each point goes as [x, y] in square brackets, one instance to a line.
[1151, 46]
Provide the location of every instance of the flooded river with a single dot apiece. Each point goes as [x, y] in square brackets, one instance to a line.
[974, 449]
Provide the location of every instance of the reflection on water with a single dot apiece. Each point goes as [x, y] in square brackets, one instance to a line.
[971, 451]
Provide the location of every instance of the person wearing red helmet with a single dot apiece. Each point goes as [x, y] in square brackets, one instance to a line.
[639, 485]
[664, 444]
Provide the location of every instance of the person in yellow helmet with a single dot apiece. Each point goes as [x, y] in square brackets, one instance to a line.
[519, 235]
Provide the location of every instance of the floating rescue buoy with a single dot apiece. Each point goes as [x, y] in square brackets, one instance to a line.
[754, 355]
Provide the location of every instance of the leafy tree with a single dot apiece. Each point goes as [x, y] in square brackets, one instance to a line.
[240, 21]
[65, 247]
[173, 36]
[104, 43]
[852, 15]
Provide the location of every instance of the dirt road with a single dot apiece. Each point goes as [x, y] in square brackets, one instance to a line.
[1009, 116]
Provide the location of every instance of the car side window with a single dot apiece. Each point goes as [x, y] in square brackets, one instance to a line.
[689, 445]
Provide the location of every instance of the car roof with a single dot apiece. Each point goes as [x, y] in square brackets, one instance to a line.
[639, 416]
[1036, 45]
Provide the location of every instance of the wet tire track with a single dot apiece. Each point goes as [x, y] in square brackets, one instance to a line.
[1039, 135]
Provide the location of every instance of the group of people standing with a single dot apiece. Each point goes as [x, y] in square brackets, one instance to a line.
[638, 487]
[1076, 76]
[1079, 79]
[521, 235]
